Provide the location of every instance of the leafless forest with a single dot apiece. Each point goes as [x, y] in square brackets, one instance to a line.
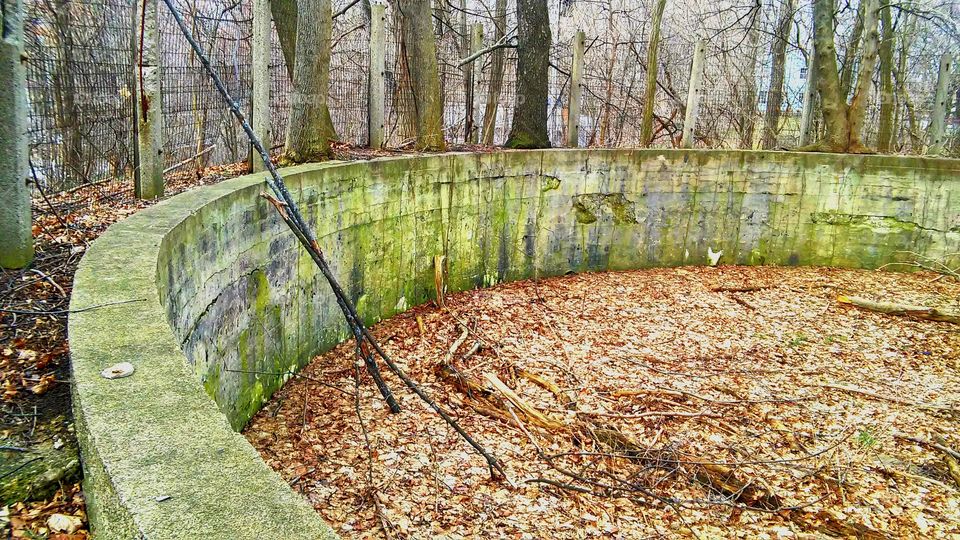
[81, 58]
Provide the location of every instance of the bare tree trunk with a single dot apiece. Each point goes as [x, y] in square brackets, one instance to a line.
[907, 27]
[285, 15]
[418, 53]
[653, 67]
[843, 123]
[614, 38]
[885, 133]
[850, 54]
[529, 129]
[832, 100]
[308, 138]
[857, 112]
[778, 52]
[496, 74]
[748, 104]
[68, 117]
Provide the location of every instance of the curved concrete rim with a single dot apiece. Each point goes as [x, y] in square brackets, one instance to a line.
[160, 459]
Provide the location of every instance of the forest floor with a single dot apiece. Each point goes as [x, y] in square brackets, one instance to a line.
[702, 402]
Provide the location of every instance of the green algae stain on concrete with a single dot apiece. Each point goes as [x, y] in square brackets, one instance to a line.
[240, 295]
[589, 208]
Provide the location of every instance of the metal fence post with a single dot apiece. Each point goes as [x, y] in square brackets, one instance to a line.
[939, 116]
[809, 98]
[576, 88]
[694, 91]
[376, 90]
[260, 65]
[148, 102]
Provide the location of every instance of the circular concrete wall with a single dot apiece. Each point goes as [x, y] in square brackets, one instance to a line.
[224, 300]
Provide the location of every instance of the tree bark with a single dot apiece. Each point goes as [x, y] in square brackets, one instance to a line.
[284, 14]
[285, 17]
[68, 114]
[778, 52]
[16, 238]
[418, 53]
[496, 74]
[748, 104]
[653, 67]
[856, 113]
[843, 123]
[308, 138]
[885, 133]
[529, 128]
[850, 54]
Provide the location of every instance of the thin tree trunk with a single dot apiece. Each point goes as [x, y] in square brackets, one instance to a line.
[856, 114]
[418, 52]
[68, 117]
[778, 52]
[529, 129]
[885, 133]
[748, 105]
[850, 54]
[906, 42]
[653, 68]
[308, 138]
[496, 74]
[608, 91]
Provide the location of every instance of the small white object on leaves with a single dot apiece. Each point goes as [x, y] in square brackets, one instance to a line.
[714, 257]
[64, 523]
[118, 371]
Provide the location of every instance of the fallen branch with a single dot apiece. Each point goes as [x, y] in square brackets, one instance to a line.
[903, 310]
[891, 399]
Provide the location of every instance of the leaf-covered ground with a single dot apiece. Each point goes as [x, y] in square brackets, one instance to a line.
[742, 402]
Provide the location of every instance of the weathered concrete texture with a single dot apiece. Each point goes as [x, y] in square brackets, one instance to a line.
[233, 304]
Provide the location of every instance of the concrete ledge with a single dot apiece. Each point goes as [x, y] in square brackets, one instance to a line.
[225, 301]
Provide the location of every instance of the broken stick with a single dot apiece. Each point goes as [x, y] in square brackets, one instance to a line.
[903, 310]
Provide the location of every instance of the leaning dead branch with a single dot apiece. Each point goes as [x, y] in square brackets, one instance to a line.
[367, 347]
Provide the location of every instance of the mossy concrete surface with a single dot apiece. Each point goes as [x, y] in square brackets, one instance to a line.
[227, 304]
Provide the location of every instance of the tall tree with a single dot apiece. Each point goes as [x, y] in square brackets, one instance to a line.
[16, 240]
[285, 18]
[496, 74]
[65, 90]
[529, 129]
[843, 123]
[778, 53]
[748, 101]
[885, 133]
[420, 73]
[653, 67]
[308, 138]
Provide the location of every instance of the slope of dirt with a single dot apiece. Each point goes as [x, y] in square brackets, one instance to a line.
[707, 402]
